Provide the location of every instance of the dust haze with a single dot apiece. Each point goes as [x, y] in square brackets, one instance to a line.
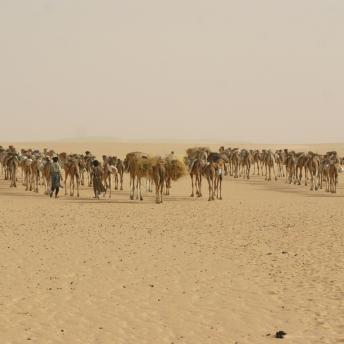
[248, 71]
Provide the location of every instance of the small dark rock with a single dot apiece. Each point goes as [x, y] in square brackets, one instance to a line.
[280, 334]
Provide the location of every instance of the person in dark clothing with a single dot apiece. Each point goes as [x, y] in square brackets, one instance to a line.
[97, 175]
[56, 177]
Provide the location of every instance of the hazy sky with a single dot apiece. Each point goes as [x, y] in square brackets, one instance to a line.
[258, 71]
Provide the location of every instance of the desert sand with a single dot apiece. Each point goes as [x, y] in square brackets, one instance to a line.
[268, 257]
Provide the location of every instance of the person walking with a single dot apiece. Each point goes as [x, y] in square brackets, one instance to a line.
[97, 175]
[56, 177]
[171, 157]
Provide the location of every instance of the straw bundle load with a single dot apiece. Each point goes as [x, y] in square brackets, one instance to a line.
[176, 169]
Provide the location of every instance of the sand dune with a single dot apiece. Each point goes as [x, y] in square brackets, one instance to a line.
[268, 257]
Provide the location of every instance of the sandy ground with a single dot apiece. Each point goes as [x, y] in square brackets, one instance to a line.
[268, 257]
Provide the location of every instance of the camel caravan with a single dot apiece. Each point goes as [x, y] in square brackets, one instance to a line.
[318, 171]
[78, 169]
[295, 167]
[34, 169]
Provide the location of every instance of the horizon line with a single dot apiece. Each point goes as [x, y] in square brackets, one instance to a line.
[105, 139]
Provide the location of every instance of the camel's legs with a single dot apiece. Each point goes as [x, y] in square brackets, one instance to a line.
[192, 185]
[31, 180]
[139, 187]
[209, 188]
[161, 191]
[65, 183]
[199, 176]
[71, 185]
[317, 181]
[312, 180]
[157, 191]
[121, 180]
[197, 185]
[77, 185]
[37, 182]
[219, 187]
[116, 181]
[132, 186]
[273, 169]
[26, 180]
[328, 183]
[110, 185]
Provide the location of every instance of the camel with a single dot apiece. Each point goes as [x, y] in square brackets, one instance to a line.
[109, 169]
[162, 172]
[209, 171]
[219, 169]
[136, 165]
[231, 152]
[301, 163]
[196, 159]
[279, 159]
[35, 171]
[313, 165]
[269, 162]
[3, 154]
[6, 156]
[82, 169]
[71, 168]
[325, 175]
[12, 165]
[26, 165]
[333, 176]
[226, 156]
[263, 161]
[89, 158]
[329, 167]
[119, 176]
[290, 162]
[158, 174]
[217, 161]
[196, 172]
[45, 169]
[235, 158]
[256, 161]
[245, 163]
